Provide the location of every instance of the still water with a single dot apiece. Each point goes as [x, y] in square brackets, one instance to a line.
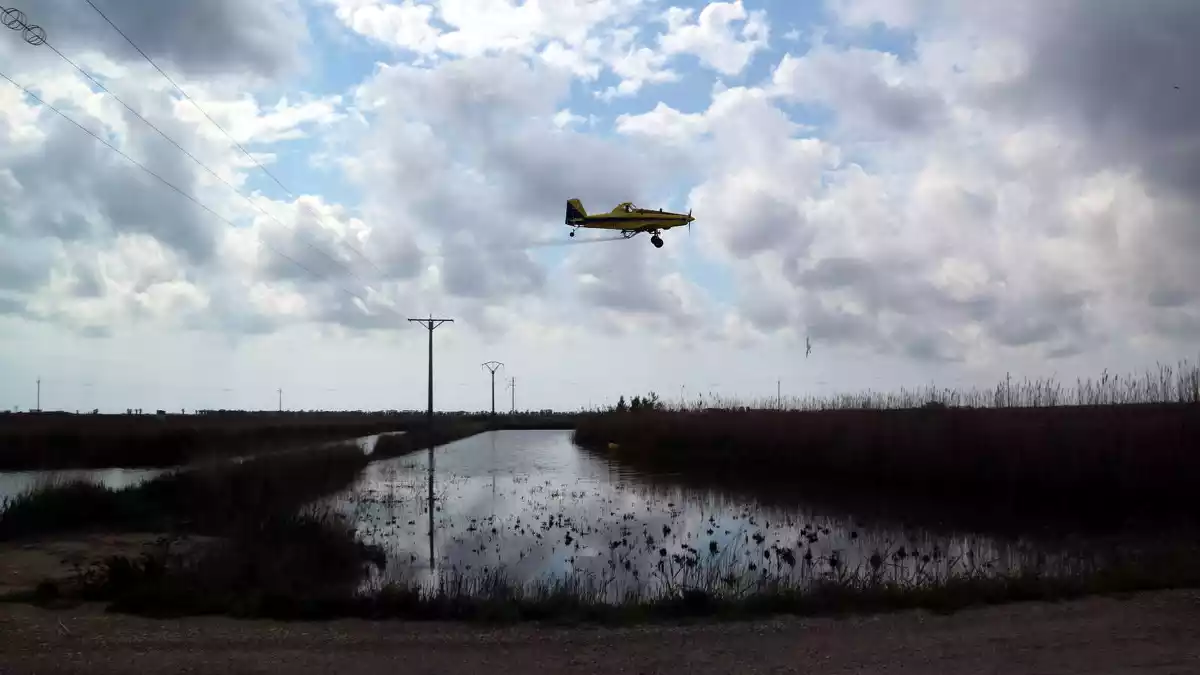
[14, 483]
[535, 506]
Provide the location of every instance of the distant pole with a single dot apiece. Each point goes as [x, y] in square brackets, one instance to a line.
[39, 395]
[280, 390]
[430, 324]
[512, 386]
[492, 367]
[778, 394]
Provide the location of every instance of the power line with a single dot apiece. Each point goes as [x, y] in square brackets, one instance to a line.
[166, 182]
[18, 21]
[214, 122]
[15, 19]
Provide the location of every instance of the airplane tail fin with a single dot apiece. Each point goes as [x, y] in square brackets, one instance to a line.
[575, 212]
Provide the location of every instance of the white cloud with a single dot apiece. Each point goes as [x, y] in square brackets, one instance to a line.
[864, 13]
[584, 37]
[977, 205]
[714, 39]
[406, 25]
[663, 123]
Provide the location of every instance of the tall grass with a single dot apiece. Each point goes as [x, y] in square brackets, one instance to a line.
[271, 565]
[62, 441]
[1107, 450]
[1163, 384]
[267, 542]
[209, 499]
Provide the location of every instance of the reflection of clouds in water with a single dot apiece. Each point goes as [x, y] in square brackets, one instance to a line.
[533, 505]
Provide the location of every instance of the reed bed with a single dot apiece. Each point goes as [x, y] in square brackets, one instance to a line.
[65, 441]
[267, 541]
[1162, 384]
[212, 499]
[1113, 449]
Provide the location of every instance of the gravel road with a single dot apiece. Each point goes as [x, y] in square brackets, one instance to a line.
[1147, 633]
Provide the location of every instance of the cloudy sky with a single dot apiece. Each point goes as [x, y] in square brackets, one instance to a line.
[930, 190]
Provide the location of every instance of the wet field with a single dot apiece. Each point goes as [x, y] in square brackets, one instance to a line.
[521, 508]
[14, 483]
[532, 506]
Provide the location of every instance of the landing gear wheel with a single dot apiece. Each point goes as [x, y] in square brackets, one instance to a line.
[657, 241]
[572, 233]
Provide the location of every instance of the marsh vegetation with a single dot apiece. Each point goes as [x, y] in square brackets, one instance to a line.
[58, 441]
[64, 441]
[689, 512]
[1110, 452]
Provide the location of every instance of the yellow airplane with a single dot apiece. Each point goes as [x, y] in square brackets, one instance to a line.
[627, 218]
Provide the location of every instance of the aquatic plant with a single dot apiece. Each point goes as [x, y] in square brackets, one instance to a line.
[690, 587]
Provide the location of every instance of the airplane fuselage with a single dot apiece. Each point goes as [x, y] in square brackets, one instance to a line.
[640, 221]
[626, 218]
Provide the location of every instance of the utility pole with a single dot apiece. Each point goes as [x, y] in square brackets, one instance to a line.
[512, 386]
[492, 367]
[430, 324]
[778, 395]
[280, 390]
[39, 394]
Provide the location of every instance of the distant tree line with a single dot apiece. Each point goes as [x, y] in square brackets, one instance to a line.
[650, 401]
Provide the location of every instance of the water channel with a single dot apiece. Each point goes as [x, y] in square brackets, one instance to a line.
[534, 506]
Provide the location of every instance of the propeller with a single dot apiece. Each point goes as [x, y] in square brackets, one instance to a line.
[690, 221]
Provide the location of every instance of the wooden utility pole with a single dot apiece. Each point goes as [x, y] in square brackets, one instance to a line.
[512, 387]
[39, 394]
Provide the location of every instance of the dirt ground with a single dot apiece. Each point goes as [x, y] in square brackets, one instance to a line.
[26, 563]
[1146, 633]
